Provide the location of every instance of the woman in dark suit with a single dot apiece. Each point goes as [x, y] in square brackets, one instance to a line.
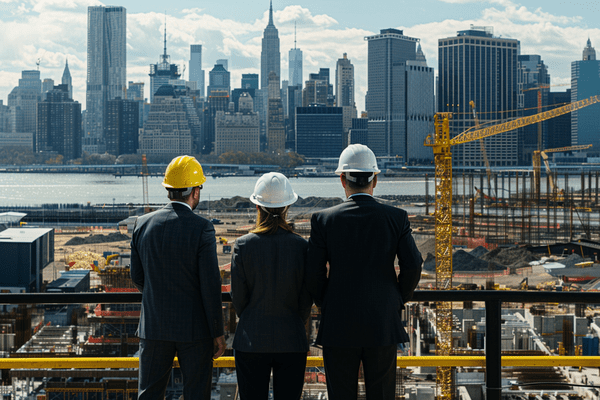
[270, 297]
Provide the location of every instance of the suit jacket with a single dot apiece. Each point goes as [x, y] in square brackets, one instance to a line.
[174, 265]
[269, 293]
[361, 298]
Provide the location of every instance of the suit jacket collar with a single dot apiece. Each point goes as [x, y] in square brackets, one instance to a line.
[361, 197]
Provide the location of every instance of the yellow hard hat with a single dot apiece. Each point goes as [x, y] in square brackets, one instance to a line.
[183, 172]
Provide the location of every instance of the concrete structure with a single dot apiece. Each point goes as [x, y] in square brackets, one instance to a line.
[167, 130]
[106, 70]
[315, 91]
[59, 124]
[476, 66]
[237, 131]
[585, 82]
[22, 101]
[122, 126]
[25, 253]
[270, 57]
[319, 131]
[24, 140]
[399, 84]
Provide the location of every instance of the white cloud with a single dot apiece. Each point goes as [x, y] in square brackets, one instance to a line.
[54, 30]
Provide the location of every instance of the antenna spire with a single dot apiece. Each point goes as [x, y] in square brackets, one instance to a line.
[165, 51]
[271, 13]
[294, 35]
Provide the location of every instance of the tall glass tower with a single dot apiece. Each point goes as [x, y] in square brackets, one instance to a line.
[295, 64]
[270, 57]
[585, 82]
[106, 70]
[196, 71]
[162, 72]
[476, 66]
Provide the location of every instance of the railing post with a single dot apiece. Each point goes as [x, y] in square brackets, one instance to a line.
[493, 349]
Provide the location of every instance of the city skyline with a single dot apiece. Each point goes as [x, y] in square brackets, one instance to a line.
[54, 31]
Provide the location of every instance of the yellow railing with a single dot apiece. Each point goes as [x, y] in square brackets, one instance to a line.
[228, 362]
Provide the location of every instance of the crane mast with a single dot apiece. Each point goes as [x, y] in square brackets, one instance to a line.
[441, 145]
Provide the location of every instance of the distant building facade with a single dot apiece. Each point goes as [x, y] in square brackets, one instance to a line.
[275, 117]
[585, 82]
[559, 128]
[295, 67]
[219, 79]
[122, 126]
[106, 70]
[319, 131]
[59, 124]
[67, 80]
[400, 96]
[218, 100]
[344, 91]
[250, 81]
[167, 131]
[477, 66]
[22, 102]
[238, 131]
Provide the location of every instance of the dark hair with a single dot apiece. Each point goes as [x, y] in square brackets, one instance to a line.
[270, 219]
[177, 194]
[362, 180]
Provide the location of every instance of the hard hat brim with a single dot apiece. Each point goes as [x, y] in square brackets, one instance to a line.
[256, 201]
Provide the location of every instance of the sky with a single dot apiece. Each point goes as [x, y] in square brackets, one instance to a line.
[55, 30]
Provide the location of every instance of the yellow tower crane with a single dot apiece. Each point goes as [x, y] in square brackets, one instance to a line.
[537, 170]
[441, 145]
[543, 155]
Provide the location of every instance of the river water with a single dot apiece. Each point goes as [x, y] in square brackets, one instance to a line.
[31, 189]
[28, 189]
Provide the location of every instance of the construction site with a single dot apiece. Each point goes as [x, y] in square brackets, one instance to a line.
[481, 231]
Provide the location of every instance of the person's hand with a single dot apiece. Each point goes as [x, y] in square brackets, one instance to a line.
[219, 346]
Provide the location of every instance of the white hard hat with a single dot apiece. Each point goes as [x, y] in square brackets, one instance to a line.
[357, 158]
[273, 190]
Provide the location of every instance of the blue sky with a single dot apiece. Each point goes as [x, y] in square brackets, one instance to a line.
[56, 29]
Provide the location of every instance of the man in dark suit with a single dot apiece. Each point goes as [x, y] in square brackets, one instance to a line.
[174, 265]
[360, 294]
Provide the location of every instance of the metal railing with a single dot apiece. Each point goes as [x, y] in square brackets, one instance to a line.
[492, 361]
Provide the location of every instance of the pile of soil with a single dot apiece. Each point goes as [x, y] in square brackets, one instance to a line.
[510, 256]
[111, 237]
[570, 261]
[478, 251]
[463, 261]
[241, 203]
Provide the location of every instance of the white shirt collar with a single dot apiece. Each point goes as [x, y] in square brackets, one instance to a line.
[181, 202]
[359, 194]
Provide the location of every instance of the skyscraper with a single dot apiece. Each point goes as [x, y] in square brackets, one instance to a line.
[534, 81]
[23, 100]
[270, 58]
[66, 79]
[295, 64]
[162, 72]
[477, 66]
[275, 117]
[196, 71]
[250, 81]
[344, 91]
[106, 69]
[237, 131]
[400, 89]
[585, 82]
[59, 124]
[319, 131]
[218, 79]
[122, 126]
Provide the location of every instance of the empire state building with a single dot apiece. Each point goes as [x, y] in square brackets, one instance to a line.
[269, 56]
